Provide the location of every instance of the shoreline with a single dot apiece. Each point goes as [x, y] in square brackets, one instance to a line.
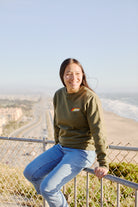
[120, 130]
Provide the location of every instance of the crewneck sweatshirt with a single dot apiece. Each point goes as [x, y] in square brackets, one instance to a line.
[78, 122]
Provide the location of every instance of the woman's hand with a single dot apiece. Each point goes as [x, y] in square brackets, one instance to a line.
[100, 172]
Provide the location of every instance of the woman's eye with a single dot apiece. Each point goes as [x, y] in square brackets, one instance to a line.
[77, 74]
[68, 74]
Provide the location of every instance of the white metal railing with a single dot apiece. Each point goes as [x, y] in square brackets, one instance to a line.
[118, 181]
[112, 178]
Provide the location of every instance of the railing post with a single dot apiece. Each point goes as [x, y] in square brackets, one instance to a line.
[87, 190]
[75, 192]
[44, 144]
[101, 192]
[136, 198]
[118, 195]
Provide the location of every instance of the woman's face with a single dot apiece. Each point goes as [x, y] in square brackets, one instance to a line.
[73, 77]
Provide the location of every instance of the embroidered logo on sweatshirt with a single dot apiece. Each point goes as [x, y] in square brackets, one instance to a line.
[75, 109]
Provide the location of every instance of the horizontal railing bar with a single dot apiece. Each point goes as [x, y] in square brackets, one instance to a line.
[123, 148]
[27, 140]
[47, 141]
[116, 179]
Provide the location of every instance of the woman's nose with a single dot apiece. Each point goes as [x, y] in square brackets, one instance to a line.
[73, 76]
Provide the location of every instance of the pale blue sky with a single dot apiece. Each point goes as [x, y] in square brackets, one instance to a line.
[36, 36]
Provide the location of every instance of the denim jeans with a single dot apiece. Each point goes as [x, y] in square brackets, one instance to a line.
[54, 168]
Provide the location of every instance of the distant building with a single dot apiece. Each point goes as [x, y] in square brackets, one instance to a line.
[11, 114]
[2, 123]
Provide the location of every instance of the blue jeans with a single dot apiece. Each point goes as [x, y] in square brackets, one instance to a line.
[54, 168]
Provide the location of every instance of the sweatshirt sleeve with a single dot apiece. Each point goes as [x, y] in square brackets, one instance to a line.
[56, 128]
[96, 124]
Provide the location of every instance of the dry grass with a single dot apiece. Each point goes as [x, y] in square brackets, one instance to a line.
[14, 187]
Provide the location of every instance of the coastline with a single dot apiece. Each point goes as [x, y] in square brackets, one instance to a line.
[120, 130]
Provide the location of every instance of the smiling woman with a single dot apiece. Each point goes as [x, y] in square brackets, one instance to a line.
[78, 134]
[71, 68]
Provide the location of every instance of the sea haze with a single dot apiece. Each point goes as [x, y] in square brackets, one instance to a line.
[123, 104]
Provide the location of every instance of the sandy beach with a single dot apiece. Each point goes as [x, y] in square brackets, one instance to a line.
[121, 130]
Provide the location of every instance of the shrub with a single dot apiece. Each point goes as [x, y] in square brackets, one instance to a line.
[124, 170]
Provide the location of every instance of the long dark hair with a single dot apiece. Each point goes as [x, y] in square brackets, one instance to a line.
[63, 66]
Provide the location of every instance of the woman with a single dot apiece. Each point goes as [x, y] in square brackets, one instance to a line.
[78, 133]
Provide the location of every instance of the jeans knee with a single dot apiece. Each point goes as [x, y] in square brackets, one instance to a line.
[45, 190]
[27, 174]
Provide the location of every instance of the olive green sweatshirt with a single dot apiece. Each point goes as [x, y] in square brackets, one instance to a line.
[78, 122]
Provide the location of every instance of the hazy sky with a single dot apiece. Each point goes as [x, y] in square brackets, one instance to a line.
[36, 36]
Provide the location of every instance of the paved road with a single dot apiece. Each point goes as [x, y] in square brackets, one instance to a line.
[38, 127]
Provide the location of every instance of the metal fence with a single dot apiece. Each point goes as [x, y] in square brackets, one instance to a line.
[84, 190]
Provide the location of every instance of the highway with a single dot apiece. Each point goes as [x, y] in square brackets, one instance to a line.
[42, 123]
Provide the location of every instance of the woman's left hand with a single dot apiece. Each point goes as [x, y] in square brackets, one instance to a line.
[100, 172]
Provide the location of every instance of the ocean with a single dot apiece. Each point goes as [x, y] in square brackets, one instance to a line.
[123, 104]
